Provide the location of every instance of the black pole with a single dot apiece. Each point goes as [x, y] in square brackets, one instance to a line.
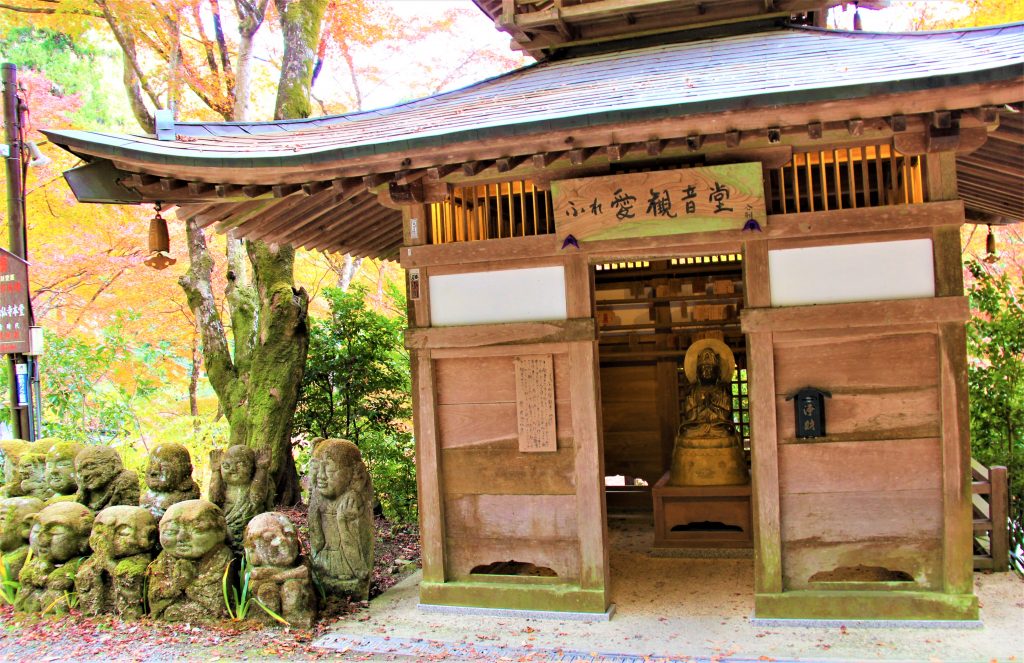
[20, 420]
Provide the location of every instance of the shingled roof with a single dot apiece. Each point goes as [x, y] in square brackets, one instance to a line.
[702, 78]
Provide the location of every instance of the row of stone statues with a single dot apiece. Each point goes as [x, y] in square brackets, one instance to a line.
[120, 551]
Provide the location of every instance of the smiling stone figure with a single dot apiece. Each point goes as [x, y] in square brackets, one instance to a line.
[280, 576]
[168, 479]
[113, 579]
[15, 524]
[60, 470]
[32, 470]
[59, 540]
[185, 580]
[102, 479]
[240, 485]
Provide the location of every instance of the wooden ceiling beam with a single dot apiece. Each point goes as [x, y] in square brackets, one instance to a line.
[242, 214]
[506, 164]
[440, 172]
[312, 188]
[341, 214]
[304, 206]
[345, 206]
[284, 190]
[255, 190]
[474, 168]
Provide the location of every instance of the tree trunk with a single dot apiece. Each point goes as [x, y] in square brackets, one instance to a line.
[300, 27]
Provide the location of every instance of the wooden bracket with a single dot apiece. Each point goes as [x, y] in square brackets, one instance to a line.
[254, 190]
[506, 164]
[442, 171]
[578, 156]
[282, 190]
[310, 188]
[814, 130]
[693, 142]
[732, 138]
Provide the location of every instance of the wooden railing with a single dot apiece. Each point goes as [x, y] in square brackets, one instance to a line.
[991, 533]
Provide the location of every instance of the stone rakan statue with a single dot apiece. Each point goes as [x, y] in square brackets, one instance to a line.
[280, 576]
[32, 470]
[341, 519]
[60, 469]
[102, 479]
[168, 479]
[240, 486]
[12, 450]
[59, 540]
[113, 579]
[708, 451]
[185, 579]
[15, 524]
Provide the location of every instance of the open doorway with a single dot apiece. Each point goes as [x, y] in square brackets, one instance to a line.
[648, 314]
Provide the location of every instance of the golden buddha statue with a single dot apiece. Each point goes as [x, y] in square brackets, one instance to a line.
[708, 451]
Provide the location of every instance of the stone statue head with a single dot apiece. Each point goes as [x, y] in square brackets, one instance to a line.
[96, 466]
[192, 528]
[271, 540]
[16, 521]
[335, 465]
[238, 466]
[123, 531]
[32, 470]
[60, 466]
[708, 366]
[170, 466]
[60, 532]
[12, 450]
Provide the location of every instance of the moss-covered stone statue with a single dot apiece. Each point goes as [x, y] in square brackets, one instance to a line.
[168, 479]
[12, 450]
[185, 579]
[113, 579]
[240, 486]
[59, 540]
[15, 524]
[341, 519]
[102, 479]
[280, 576]
[32, 470]
[60, 469]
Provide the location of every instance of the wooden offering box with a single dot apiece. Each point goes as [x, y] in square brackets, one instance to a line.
[702, 516]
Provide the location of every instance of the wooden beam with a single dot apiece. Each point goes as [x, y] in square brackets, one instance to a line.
[814, 130]
[616, 152]
[407, 177]
[199, 188]
[440, 172]
[513, 333]
[732, 138]
[693, 142]
[472, 168]
[541, 161]
[371, 182]
[429, 479]
[654, 147]
[227, 190]
[857, 314]
[170, 184]
[579, 156]
[312, 188]
[505, 164]
[255, 190]
[284, 190]
[855, 127]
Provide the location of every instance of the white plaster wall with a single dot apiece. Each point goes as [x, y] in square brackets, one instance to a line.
[511, 295]
[852, 273]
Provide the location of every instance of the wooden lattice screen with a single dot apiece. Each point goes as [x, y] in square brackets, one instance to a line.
[492, 211]
[847, 178]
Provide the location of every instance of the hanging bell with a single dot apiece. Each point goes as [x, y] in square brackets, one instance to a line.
[159, 243]
[991, 254]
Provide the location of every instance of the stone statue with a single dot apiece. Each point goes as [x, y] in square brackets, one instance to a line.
[113, 579]
[102, 479]
[341, 519]
[60, 469]
[168, 479]
[185, 580]
[240, 485]
[32, 470]
[12, 450]
[708, 451]
[280, 576]
[59, 540]
[15, 524]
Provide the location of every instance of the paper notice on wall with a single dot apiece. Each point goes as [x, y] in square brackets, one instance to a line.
[535, 403]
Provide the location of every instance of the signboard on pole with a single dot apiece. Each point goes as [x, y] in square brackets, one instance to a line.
[14, 304]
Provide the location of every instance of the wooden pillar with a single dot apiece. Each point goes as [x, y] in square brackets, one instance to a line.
[958, 531]
[764, 448]
[584, 387]
[428, 466]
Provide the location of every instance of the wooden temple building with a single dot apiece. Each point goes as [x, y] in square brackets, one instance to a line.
[667, 174]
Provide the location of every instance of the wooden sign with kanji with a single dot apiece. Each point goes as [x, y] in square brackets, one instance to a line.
[661, 202]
